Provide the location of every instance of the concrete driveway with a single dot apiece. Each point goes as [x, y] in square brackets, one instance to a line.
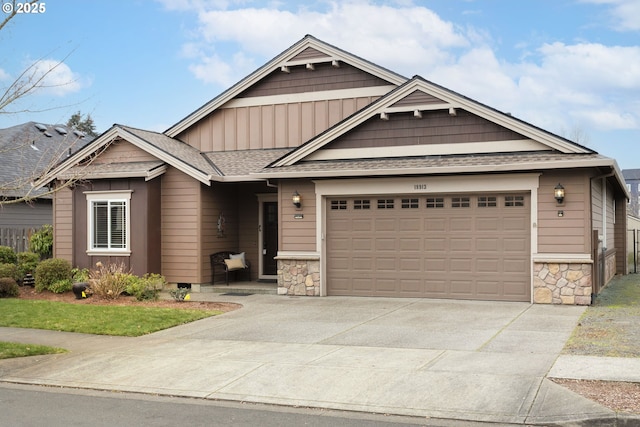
[481, 361]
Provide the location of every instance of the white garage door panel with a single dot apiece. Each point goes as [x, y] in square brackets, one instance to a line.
[471, 251]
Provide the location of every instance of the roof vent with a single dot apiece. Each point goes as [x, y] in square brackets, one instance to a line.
[40, 127]
[78, 133]
[61, 130]
[33, 146]
[47, 134]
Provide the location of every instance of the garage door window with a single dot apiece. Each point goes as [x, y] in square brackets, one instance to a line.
[487, 201]
[435, 202]
[338, 205]
[361, 204]
[514, 201]
[385, 203]
[460, 202]
[410, 204]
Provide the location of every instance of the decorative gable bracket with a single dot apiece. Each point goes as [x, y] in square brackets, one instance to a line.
[418, 109]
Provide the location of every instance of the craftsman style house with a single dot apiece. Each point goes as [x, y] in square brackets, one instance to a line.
[339, 177]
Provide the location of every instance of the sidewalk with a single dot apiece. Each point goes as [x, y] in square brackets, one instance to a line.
[460, 360]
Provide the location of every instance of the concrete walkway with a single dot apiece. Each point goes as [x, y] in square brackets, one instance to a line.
[460, 360]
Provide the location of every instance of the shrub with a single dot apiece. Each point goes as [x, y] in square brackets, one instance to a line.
[109, 281]
[51, 271]
[41, 242]
[27, 263]
[79, 275]
[147, 287]
[8, 287]
[7, 255]
[61, 286]
[10, 271]
[180, 294]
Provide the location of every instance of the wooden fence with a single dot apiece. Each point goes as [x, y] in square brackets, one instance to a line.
[16, 238]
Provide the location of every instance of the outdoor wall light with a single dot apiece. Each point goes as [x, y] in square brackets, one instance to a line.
[296, 199]
[558, 193]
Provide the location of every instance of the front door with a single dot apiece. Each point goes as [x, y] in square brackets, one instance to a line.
[269, 238]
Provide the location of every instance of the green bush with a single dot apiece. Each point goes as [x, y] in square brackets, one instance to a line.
[61, 286]
[51, 271]
[8, 288]
[147, 287]
[27, 263]
[9, 270]
[180, 294]
[41, 241]
[7, 255]
[79, 275]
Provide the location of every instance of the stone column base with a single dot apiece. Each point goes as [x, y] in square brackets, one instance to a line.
[298, 276]
[562, 283]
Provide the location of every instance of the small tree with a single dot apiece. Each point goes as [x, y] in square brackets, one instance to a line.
[85, 126]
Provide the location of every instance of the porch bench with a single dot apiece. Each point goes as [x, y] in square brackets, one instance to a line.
[229, 262]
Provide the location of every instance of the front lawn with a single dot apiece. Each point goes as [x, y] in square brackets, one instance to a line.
[611, 326]
[131, 321]
[10, 350]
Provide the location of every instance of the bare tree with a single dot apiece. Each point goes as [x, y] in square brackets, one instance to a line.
[28, 155]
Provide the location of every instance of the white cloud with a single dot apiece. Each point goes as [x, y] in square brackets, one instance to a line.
[625, 13]
[3, 75]
[555, 85]
[55, 78]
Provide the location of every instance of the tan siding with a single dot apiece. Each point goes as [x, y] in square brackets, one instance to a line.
[418, 98]
[323, 78]
[297, 234]
[309, 53]
[611, 243]
[63, 224]
[436, 127]
[269, 126]
[180, 227]
[571, 232]
[123, 151]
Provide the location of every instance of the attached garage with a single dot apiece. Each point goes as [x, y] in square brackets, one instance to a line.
[474, 246]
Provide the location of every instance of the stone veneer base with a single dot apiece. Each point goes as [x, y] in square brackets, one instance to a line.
[562, 283]
[298, 276]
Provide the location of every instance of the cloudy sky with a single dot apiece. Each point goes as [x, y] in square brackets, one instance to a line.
[569, 66]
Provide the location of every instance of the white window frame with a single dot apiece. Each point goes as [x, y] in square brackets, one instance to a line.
[109, 197]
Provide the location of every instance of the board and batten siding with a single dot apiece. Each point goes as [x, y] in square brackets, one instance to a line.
[269, 126]
[297, 235]
[570, 233]
[63, 224]
[181, 231]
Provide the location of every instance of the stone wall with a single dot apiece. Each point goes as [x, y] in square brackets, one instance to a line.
[299, 276]
[562, 283]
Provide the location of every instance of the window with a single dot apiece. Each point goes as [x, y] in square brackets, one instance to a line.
[513, 201]
[338, 205]
[108, 222]
[487, 202]
[385, 203]
[460, 202]
[361, 204]
[435, 202]
[409, 203]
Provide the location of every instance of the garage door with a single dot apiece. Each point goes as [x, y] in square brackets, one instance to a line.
[436, 246]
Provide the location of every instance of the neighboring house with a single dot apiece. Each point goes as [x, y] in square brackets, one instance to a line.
[632, 179]
[633, 243]
[26, 151]
[402, 188]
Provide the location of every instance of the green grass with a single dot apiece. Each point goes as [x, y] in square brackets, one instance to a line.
[130, 321]
[611, 326]
[10, 350]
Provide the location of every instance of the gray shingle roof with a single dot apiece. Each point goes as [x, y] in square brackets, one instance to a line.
[175, 148]
[436, 164]
[110, 170]
[245, 162]
[29, 149]
[631, 174]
